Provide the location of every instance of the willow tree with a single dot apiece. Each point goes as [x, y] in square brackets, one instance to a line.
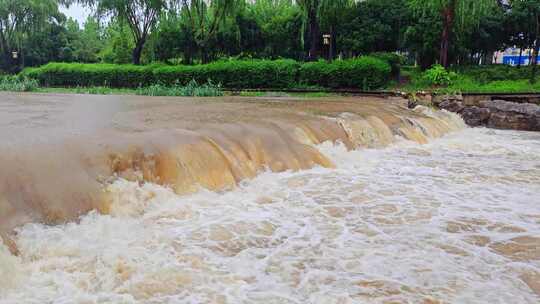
[331, 13]
[140, 16]
[314, 11]
[460, 13]
[18, 18]
[310, 9]
[203, 18]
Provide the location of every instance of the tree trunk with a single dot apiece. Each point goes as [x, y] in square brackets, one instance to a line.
[9, 64]
[489, 57]
[535, 60]
[205, 58]
[519, 57]
[6, 61]
[536, 49]
[314, 34]
[332, 43]
[188, 56]
[426, 60]
[137, 51]
[448, 22]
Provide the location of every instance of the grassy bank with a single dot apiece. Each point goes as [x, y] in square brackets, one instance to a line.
[478, 79]
[209, 89]
[24, 84]
[161, 92]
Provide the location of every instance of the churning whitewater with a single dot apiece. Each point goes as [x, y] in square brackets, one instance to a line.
[456, 220]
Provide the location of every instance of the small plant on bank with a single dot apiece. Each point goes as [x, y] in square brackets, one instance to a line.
[94, 90]
[437, 75]
[208, 89]
[18, 84]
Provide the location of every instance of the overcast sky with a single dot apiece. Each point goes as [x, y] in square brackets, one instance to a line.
[77, 12]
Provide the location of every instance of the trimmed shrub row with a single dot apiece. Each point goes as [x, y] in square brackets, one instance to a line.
[364, 73]
[233, 74]
[86, 75]
[361, 73]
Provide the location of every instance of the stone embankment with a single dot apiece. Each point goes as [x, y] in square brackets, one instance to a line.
[498, 114]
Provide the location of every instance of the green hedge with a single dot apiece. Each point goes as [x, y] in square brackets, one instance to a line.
[361, 73]
[233, 74]
[78, 74]
[364, 73]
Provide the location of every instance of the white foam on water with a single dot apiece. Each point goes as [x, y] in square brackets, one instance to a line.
[10, 273]
[394, 224]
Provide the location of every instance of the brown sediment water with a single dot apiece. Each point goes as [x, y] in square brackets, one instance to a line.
[256, 200]
[59, 152]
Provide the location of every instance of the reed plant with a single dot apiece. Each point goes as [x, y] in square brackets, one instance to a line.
[192, 88]
[18, 84]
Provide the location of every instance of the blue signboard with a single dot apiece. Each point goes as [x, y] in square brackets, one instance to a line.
[514, 60]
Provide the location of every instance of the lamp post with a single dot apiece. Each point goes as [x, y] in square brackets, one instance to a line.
[327, 41]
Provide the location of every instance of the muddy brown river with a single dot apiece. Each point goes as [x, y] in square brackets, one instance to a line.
[123, 199]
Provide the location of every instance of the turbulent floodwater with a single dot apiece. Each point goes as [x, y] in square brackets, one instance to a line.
[453, 221]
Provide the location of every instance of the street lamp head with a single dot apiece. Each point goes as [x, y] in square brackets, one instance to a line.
[326, 39]
[15, 54]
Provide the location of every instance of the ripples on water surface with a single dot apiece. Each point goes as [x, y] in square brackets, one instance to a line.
[453, 221]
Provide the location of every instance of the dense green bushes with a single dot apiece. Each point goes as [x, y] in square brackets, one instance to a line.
[233, 73]
[395, 61]
[362, 73]
[365, 73]
[77, 74]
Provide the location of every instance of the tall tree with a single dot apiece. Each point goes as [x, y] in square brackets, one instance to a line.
[331, 13]
[518, 33]
[374, 26]
[479, 43]
[47, 43]
[422, 43]
[310, 9]
[526, 14]
[204, 18]
[86, 44]
[280, 23]
[119, 44]
[18, 18]
[140, 15]
[453, 13]
[315, 13]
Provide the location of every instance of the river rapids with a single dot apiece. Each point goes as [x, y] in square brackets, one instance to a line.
[454, 220]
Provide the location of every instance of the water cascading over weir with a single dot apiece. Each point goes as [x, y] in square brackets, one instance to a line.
[59, 156]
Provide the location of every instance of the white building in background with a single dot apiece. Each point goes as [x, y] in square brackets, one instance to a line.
[511, 57]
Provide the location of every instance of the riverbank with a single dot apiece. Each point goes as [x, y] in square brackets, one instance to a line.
[241, 93]
[141, 80]
[488, 79]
